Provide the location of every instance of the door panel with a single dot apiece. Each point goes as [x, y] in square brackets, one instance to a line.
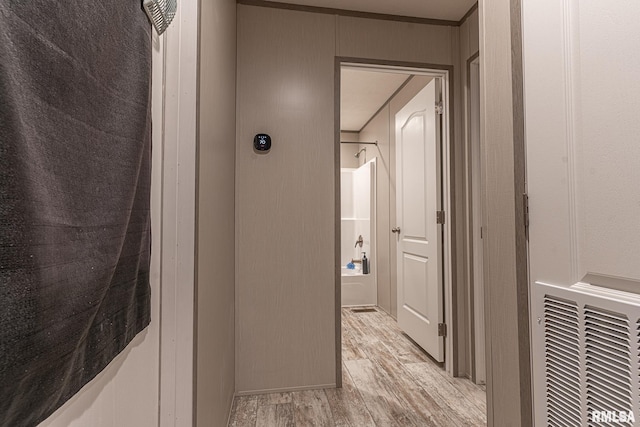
[581, 101]
[413, 177]
[419, 254]
[416, 272]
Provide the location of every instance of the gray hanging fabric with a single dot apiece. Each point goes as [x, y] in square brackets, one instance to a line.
[160, 13]
[75, 159]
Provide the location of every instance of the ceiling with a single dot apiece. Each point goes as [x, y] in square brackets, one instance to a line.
[450, 10]
[362, 93]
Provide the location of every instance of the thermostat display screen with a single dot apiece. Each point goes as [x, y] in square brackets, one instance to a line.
[262, 142]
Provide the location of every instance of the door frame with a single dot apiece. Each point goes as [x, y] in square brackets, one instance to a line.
[474, 216]
[449, 280]
[177, 135]
[502, 123]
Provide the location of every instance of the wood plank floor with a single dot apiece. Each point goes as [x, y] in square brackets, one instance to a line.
[387, 381]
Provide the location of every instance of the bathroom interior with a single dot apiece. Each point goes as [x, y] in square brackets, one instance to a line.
[357, 185]
[369, 100]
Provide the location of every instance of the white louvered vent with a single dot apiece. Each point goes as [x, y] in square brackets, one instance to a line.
[608, 362]
[562, 354]
[586, 356]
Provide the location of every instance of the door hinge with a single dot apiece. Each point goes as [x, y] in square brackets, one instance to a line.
[442, 329]
[439, 108]
[525, 207]
[439, 217]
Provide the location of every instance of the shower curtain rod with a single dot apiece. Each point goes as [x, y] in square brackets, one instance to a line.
[359, 143]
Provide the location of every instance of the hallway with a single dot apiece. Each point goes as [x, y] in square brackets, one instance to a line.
[387, 381]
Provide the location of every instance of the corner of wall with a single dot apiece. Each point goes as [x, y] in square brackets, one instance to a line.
[215, 251]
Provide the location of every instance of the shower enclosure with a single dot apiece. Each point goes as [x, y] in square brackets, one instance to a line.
[358, 220]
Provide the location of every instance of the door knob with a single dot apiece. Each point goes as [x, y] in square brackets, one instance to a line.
[395, 230]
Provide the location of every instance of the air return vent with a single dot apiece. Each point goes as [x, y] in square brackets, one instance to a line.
[364, 310]
[562, 361]
[608, 362]
[586, 356]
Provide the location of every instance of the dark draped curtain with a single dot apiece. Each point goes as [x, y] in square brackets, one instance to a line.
[75, 145]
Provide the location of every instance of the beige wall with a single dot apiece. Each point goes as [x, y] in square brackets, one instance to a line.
[469, 38]
[285, 200]
[348, 151]
[215, 356]
[395, 41]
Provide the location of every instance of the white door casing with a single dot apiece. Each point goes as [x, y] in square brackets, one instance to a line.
[582, 98]
[418, 183]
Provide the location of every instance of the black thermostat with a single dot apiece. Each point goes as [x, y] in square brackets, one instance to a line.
[262, 142]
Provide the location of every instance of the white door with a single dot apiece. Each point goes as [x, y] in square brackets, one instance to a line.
[582, 103]
[418, 189]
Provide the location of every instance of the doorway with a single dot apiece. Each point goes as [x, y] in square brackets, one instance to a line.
[373, 139]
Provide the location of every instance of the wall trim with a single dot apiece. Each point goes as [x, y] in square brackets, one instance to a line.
[284, 390]
[470, 213]
[351, 13]
[393, 95]
[196, 240]
[468, 14]
[359, 14]
[417, 66]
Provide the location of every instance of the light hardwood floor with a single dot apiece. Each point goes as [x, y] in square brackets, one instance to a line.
[387, 381]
